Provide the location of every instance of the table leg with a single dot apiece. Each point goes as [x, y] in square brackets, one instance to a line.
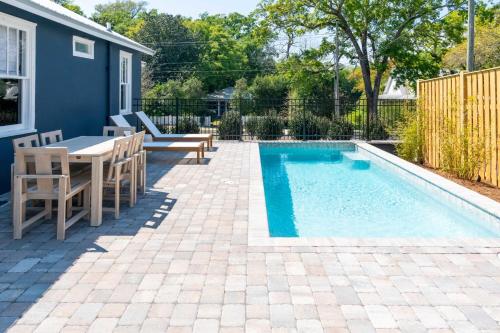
[96, 196]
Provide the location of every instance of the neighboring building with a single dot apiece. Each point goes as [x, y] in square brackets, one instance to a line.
[393, 91]
[220, 100]
[59, 70]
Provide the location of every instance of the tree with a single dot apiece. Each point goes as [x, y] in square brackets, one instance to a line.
[125, 16]
[270, 87]
[231, 47]
[68, 4]
[487, 45]
[176, 49]
[191, 88]
[412, 34]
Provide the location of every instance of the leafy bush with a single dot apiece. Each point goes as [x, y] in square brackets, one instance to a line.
[461, 155]
[341, 129]
[188, 126]
[411, 131]
[270, 127]
[252, 125]
[230, 126]
[314, 127]
[377, 130]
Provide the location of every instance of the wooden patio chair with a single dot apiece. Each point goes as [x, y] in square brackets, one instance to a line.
[48, 184]
[118, 130]
[48, 138]
[24, 142]
[120, 173]
[139, 155]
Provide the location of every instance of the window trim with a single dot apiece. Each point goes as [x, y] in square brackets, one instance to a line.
[27, 124]
[88, 42]
[128, 109]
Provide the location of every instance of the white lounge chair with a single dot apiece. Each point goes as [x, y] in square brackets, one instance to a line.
[158, 136]
[197, 147]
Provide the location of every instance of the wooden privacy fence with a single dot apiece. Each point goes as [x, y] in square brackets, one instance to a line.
[468, 103]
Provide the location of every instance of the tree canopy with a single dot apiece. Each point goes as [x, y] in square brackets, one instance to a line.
[68, 4]
[410, 34]
[259, 54]
[125, 16]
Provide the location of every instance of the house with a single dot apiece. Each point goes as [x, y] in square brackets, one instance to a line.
[220, 100]
[59, 70]
[393, 91]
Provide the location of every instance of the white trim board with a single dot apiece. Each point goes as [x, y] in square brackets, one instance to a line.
[61, 15]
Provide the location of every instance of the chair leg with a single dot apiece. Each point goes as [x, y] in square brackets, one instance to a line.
[61, 210]
[117, 195]
[48, 209]
[70, 208]
[133, 184]
[17, 220]
[143, 168]
[86, 201]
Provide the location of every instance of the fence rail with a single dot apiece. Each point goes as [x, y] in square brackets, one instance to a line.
[469, 101]
[276, 119]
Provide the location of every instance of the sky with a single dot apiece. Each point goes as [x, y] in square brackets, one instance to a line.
[191, 8]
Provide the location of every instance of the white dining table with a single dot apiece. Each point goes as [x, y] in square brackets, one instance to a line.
[94, 150]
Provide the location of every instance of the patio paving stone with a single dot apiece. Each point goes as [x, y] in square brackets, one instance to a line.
[180, 261]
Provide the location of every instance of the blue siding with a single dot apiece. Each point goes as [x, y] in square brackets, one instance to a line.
[73, 94]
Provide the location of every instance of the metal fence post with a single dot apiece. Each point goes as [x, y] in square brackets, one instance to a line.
[367, 121]
[176, 115]
[304, 119]
[241, 119]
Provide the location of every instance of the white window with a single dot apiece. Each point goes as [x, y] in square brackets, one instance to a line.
[17, 75]
[125, 82]
[83, 48]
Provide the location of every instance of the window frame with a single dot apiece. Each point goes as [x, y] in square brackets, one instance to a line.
[128, 108]
[90, 43]
[27, 123]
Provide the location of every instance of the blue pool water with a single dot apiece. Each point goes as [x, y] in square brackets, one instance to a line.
[335, 191]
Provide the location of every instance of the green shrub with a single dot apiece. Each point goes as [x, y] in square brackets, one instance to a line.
[188, 126]
[230, 126]
[411, 131]
[314, 127]
[341, 129]
[461, 155]
[270, 127]
[377, 130]
[251, 126]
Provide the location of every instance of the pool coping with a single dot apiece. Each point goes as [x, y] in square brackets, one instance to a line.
[258, 231]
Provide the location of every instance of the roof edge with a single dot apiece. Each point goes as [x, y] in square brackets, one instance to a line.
[44, 12]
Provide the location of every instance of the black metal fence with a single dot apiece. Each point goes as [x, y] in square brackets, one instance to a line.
[277, 119]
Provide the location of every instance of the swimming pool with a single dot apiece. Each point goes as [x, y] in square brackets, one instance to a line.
[339, 190]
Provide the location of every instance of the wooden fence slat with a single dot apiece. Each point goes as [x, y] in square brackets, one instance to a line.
[467, 99]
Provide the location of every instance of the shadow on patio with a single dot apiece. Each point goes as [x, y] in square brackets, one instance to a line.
[33, 267]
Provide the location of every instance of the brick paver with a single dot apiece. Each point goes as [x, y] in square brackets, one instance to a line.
[179, 262]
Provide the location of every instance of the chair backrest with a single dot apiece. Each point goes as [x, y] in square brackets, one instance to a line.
[43, 159]
[138, 142]
[120, 120]
[26, 142]
[150, 126]
[121, 151]
[48, 138]
[117, 131]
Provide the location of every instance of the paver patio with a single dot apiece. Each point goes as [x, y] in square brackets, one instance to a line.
[179, 262]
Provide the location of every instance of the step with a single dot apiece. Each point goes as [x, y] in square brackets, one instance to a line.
[359, 162]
